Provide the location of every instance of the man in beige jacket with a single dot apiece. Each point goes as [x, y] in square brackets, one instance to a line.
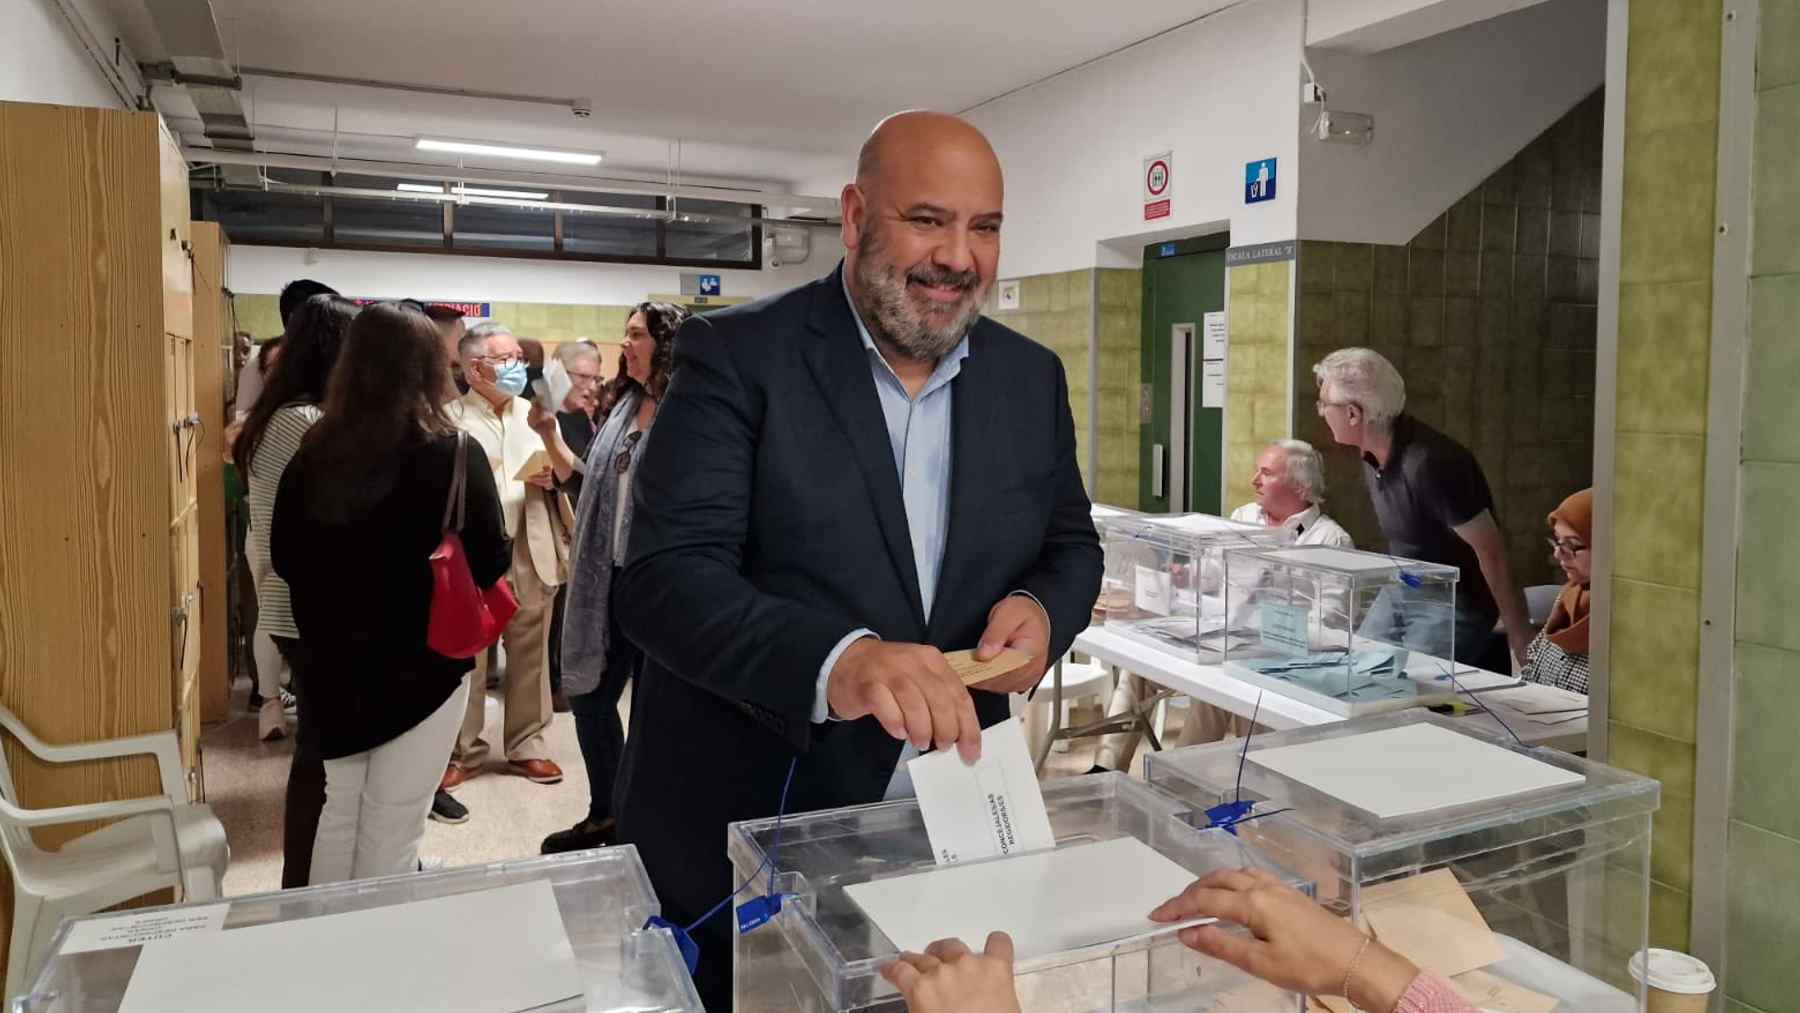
[537, 520]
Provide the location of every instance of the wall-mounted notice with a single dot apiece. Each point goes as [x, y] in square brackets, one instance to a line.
[1159, 181]
[1212, 384]
[1212, 330]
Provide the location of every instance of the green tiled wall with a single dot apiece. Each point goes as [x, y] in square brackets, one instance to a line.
[1117, 338]
[555, 322]
[1490, 313]
[1057, 310]
[1257, 405]
[1763, 897]
[1665, 314]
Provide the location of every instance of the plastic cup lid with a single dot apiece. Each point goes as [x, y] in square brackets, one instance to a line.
[1673, 971]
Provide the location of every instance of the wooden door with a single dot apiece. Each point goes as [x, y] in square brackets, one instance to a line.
[212, 363]
[85, 569]
[186, 429]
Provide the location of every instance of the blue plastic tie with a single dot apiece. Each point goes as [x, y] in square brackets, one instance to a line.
[690, 950]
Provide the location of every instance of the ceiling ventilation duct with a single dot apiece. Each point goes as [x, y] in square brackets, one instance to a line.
[196, 62]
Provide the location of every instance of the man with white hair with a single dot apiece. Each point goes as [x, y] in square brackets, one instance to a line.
[1434, 505]
[1290, 495]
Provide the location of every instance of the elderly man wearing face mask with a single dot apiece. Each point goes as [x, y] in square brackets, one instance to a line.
[538, 522]
[844, 480]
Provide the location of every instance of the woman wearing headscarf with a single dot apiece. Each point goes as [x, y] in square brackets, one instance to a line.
[1559, 654]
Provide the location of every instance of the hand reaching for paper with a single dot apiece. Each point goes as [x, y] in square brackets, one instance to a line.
[911, 690]
[1017, 622]
[1293, 942]
[545, 478]
[949, 978]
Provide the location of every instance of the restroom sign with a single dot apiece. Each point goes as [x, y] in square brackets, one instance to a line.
[1159, 179]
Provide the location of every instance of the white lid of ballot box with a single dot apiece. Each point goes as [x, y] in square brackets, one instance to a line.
[604, 898]
[1204, 775]
[823, 853]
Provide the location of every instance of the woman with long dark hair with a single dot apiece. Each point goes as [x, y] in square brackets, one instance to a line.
[358, 515]
[278, 421]
[597, 660]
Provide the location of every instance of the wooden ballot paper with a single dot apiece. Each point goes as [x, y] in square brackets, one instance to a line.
[974, 672]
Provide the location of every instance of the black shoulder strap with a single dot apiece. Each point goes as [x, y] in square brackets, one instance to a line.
[455, 502]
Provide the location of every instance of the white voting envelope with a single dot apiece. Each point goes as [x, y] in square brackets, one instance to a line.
[987, 809]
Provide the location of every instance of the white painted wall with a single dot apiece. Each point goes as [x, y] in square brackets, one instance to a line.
[1370, 26]
[265, 269]
[1219, 93]
[41, 61]
[1448, 111]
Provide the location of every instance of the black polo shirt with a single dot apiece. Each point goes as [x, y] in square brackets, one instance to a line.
[1431, 485]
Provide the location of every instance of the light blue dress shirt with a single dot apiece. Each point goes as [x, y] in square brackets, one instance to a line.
[919, 430]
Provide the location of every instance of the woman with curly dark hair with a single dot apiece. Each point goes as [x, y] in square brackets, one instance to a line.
[597, 660]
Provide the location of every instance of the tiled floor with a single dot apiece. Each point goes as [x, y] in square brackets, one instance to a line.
[509, 816]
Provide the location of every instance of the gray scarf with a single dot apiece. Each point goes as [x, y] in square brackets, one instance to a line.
[586, 617]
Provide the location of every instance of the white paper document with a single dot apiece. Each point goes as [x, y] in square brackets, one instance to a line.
[1212, 385]
[1336, 559]
[1048, 901]
[554, 388]
[987, 809]
[142, 928]
[494, 951]
[1411, 769]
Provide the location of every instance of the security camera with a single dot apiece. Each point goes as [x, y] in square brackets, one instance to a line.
[582, 107]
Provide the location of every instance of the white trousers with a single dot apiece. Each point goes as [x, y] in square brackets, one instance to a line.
[376, 802]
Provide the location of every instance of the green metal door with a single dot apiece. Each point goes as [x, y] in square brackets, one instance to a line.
[1182, 444]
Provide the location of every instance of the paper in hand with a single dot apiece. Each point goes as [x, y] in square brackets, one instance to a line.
[538, 461]
[1430, 920]
[553, 388]
[972, 672]
[986, 809]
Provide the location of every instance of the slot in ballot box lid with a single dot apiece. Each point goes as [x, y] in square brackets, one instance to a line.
[824, 952]
[603, 898]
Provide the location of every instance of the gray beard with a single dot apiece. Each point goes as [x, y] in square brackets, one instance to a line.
[893, 316]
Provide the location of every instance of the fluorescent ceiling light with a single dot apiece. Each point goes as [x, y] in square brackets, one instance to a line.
[474, 191]
[508, 151]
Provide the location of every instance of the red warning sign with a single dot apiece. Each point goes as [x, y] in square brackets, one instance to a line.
[1159, 179]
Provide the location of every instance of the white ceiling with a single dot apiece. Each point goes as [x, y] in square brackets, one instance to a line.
[783, 90]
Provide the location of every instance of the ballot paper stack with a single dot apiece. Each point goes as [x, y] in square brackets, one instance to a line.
[1071, 872]
[1513, 871]
[563, 934]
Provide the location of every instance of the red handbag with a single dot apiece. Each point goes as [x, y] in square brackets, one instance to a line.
[465, 620]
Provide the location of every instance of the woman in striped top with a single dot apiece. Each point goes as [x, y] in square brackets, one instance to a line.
[286, 409]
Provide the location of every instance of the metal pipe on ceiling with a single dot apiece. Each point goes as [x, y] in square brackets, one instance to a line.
[545, 180]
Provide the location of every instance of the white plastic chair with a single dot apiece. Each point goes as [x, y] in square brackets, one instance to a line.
[1047, 715]
[156, 843]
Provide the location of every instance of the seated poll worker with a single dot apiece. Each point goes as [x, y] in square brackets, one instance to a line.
[1434, 505]
[1558, 656]
[1289, 483]
[843, 480]
[1293, 943]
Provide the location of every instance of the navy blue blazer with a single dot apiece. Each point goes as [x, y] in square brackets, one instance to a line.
[769, 524]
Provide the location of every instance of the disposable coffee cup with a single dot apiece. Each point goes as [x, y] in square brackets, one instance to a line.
[1674, 982]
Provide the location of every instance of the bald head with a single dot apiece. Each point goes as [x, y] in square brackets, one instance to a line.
[909, 133]
[922, 232]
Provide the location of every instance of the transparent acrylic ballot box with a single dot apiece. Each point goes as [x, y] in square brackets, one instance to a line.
[1560, 874]
[822, 953]
[1165, 575]
[603, 897]
[1349, 632]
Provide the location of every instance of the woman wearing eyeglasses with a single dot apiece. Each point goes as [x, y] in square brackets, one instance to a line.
[1558, 656]
[597, 659]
